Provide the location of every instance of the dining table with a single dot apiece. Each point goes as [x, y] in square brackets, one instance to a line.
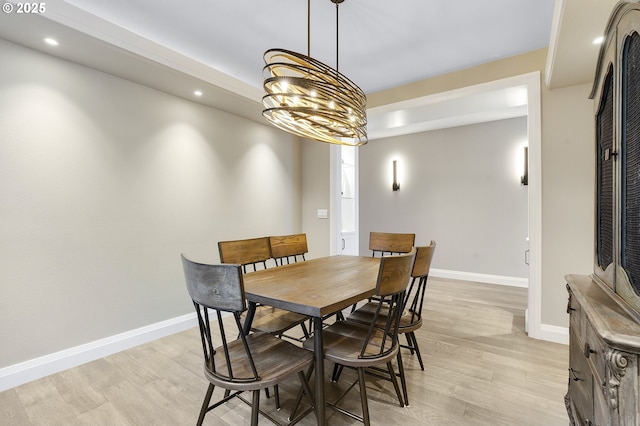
[316, 288]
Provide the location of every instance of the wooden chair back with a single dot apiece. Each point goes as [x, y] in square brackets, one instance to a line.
[393, 278]
[414, 299]
[424, 256]
[219, 288]
[215, 286]
[394, 273]
[288, 247]
[248, 252]
[385, 242]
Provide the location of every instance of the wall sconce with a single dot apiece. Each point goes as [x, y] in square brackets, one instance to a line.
[524, 179]
[396, 185]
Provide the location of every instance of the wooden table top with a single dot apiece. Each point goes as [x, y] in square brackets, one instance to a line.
[315, 287]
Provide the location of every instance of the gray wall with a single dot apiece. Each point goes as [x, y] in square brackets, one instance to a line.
[103, 183]
[568, 176]
[458, 186]
[567, 170]
[316, 195]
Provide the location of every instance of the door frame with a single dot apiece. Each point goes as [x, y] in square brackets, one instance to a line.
[335, 202]
[531, 81]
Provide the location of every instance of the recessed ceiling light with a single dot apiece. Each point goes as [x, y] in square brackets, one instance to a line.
[197, 93]
[598, 40]
[51, 41]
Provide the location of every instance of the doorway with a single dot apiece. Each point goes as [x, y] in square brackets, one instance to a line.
[345, 172]
[451, 109]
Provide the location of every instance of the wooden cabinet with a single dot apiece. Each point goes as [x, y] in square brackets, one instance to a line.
[604, 335]
[604, 346]
[616, 94]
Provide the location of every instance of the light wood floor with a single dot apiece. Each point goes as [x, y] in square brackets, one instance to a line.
[481, 369]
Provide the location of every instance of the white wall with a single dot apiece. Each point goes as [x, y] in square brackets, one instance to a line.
[103, 183]
[458, 186]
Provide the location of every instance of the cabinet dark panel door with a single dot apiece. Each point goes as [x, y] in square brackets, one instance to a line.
[630, 173]
[605, 175]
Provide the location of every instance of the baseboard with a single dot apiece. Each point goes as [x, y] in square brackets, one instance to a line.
[481, 278]
[551, 333]
[24, 372]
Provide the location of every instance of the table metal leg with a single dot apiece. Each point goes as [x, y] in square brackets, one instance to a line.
[318, 354]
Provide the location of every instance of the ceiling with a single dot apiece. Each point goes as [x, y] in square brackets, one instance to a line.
[216, 46]
[400, 40]
[572, 54]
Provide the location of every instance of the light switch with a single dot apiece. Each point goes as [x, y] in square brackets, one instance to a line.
[322, 213]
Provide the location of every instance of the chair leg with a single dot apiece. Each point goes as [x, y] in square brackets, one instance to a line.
[417, 348]
[403, 380]
[363, 397]
[277, 395]
[394, 380]
[305, 385]
[337, 371]
[304, 330]
[255, 407]
[304, 389]
[409, 342]
[205, 404]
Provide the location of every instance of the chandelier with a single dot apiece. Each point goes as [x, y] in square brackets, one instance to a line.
[310, 99]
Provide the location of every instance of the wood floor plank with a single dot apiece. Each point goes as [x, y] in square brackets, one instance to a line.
[105, 414]
[11, 409]
[43, 403]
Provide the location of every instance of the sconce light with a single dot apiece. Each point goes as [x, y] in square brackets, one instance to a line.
[396, 185]
[524, 179]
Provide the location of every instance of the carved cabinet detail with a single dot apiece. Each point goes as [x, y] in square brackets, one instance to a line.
[604, 344]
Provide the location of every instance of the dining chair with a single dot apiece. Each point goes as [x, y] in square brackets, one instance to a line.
[361, 346]
[254, 253]
[411, 319]
[232, 360]
[288, 248]
[251, 252]
[391, 243]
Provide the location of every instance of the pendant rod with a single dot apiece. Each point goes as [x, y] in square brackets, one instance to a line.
[309, 28]
[337, 39]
